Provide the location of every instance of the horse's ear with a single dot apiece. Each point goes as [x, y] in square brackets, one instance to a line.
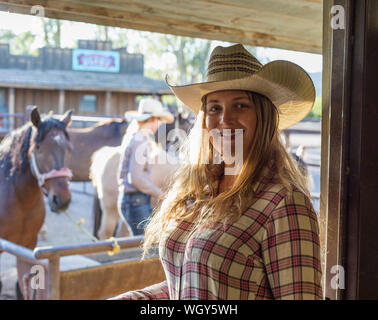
[35, 118]
[66, 118]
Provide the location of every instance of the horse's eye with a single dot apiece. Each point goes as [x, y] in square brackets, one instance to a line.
[37, 147]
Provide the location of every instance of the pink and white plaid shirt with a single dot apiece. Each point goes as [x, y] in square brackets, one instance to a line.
[271, 252]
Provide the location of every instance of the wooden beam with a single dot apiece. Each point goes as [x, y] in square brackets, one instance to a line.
[11, 106]
[334, 159]
[324, 168]
[108, 97]
[61, 101]
[299, 30]
[110, 279]
[83, 88]
[53, 279]
[360, 232]
[268, 16]
[351, 158]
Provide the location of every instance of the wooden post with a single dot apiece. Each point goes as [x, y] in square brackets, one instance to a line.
[335, 141]
[53, 271]
[349, 155]
[61, 101]
[11, 107]
[108, 96]
[361, 251]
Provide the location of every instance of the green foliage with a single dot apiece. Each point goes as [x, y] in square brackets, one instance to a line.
[19, 44]
[183, 58]
[102, 33]
[52, 32]
[6, 36]
[190, 54]
[316, 112]
[169, 99]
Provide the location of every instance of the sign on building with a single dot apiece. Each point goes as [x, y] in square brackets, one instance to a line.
[95, 60]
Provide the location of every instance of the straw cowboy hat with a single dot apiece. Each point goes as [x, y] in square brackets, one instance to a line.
[149, 108]
[286, 84]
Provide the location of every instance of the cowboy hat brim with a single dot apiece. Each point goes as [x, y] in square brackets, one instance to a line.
[286, 84]
[135, 115]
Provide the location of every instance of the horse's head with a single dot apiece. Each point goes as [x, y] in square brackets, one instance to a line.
[49, 153]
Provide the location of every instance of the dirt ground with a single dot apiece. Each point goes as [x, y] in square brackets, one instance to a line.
[60, 231]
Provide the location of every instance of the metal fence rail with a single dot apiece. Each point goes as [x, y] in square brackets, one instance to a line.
[10, 121]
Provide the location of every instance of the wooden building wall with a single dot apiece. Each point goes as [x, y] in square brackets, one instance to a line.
[48, 100]
[121, 102]
[72, 101]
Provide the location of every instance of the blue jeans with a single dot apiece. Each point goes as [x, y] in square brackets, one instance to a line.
[136, 209]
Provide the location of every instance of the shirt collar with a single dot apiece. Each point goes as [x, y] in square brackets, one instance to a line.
[269, 173]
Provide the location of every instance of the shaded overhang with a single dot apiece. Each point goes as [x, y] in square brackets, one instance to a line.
[285, 24]
[81, 81]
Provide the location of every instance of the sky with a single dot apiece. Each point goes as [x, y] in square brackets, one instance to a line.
[72, 31]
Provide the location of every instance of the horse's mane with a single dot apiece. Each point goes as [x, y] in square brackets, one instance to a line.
[47, 125]
[14, 150]
[15, 146]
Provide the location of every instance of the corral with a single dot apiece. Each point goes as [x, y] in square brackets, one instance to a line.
[349, 154]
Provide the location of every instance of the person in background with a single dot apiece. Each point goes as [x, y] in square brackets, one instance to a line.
[250, 233]
[138, 144]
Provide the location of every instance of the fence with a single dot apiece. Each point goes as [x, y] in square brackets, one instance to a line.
[9, 122]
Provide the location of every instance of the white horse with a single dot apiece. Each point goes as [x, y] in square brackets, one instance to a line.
[103, 173]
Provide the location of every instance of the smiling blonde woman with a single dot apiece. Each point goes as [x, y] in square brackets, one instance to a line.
[250, 235]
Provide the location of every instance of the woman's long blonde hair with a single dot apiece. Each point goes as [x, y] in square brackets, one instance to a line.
[192, 196]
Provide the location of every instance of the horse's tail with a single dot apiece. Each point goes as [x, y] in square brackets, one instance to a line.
[97, 213]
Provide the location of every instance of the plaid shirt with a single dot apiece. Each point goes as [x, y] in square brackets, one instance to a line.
[271, 252]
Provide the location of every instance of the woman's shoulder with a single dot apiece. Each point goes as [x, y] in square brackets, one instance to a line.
[295, 201]
[275, 196]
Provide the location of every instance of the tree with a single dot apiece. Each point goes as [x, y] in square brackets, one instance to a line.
[191, 55]
[19, 44]
[23, 43]
[102, 33]
[6, 36]
[52, 32]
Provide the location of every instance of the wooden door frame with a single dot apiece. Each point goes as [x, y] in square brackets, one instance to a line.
[349, 170]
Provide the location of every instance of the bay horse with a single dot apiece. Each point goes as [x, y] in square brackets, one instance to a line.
[87, 140]
[33, 163]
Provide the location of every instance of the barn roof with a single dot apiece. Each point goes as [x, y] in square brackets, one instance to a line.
[78, 80]
[285, 24]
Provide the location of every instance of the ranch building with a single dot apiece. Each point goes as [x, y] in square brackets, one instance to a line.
[93, 79]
